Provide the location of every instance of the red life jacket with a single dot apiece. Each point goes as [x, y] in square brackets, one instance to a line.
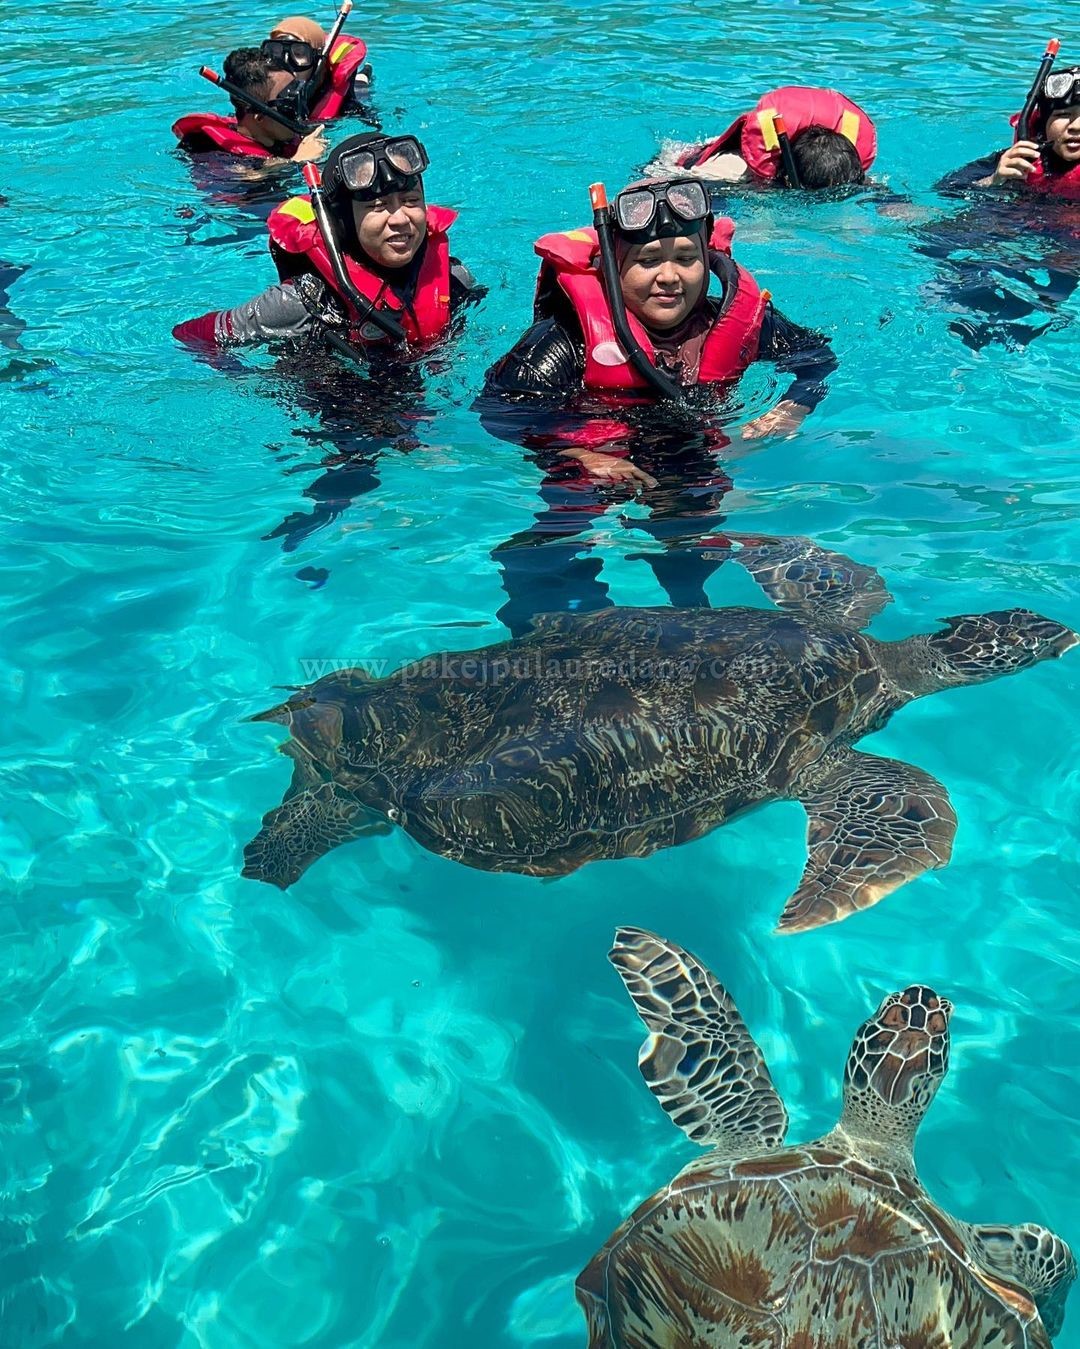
[223, 135]
[345, 60]
[294, 229]
[1065, 184]
[730, 345]
[753, 135]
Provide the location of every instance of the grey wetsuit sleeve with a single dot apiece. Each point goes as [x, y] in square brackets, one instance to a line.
[277, 314]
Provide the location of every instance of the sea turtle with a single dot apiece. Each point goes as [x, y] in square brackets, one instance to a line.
[826, 1245]
[615, 733]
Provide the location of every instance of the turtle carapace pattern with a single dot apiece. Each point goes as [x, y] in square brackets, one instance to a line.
[832, 1244]
[616, 733]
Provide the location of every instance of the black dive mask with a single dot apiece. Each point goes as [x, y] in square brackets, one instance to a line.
[378, 166]
[290, 53]
[662, 210]
[1061, 89]
[292, 101]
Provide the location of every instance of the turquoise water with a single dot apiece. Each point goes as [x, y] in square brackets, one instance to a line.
[398, 1105]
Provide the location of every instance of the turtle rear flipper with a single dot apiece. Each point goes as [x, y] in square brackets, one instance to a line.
[1035, 1258]
[802, 578]
[874, 825]
[700, 1061]
[307, 824]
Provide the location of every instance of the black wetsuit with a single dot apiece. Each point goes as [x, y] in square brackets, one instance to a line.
[534, 396]
[991, 255]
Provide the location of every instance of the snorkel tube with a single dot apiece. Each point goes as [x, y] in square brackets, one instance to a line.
[256, 104]
[1023, 122]
[787, 159]
[328, 46]
[605, 233]
[366, 311]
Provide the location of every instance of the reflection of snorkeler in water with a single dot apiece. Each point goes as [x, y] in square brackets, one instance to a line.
[359, 418]
[677, 475]
[1016, 253]
[642, 330]
[10, 325]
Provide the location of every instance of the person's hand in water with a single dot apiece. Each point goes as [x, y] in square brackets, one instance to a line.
[313, 146]
[1014, 165]
[610, 468]
[785, 418]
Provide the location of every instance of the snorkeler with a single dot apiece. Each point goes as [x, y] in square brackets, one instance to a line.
[265, 125]
[329, 67]
[391, 282]
[656, 251]
[640, 355]
[794, 137]
[1045, 157]
[1014, 254]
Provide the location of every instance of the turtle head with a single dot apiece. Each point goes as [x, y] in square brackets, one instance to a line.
[977, 647]
[895, 1067]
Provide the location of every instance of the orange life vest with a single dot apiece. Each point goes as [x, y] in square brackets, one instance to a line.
[753, 135]
[1065, 184]
[343, 63]
[223, 134]
[569, 261]
[294, 229]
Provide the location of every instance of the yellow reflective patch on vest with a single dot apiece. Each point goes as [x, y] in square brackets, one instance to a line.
[299, 209]
[849, 126]
[768, 128]
[579, 236]
[342, 49]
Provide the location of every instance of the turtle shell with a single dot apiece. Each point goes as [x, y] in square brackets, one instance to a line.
[603, 735]
[805, 1248]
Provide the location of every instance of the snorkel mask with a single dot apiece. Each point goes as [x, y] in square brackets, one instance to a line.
[372, 165]
[291, 54]
[662, 209]
[1060, 90]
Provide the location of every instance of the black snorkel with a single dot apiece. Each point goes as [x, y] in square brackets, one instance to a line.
[365, 310]
[664, 386]
[787, 158]
[1023, 122]
[328, 46]
[255, 104]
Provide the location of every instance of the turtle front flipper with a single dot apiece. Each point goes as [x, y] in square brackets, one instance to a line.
[874, 825]
[799, 576]
[307, 824]
[700, 1061]
[1035, 1258]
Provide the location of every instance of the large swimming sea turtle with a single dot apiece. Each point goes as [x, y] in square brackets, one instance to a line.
[615, 733]
[826, 1245]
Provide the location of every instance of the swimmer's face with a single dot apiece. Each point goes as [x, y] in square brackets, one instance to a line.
[1063, 134]
[392, 228]
[663, 280]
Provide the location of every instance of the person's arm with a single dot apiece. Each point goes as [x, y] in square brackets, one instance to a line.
[464, 287]
[545, 361]
[798, 351]
[960, 182]
[1013, 166]
[278, 313]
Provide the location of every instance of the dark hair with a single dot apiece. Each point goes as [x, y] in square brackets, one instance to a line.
[249, 70]
[824, 158]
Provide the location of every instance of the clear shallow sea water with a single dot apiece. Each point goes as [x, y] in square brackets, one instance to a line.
[398, 1105]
